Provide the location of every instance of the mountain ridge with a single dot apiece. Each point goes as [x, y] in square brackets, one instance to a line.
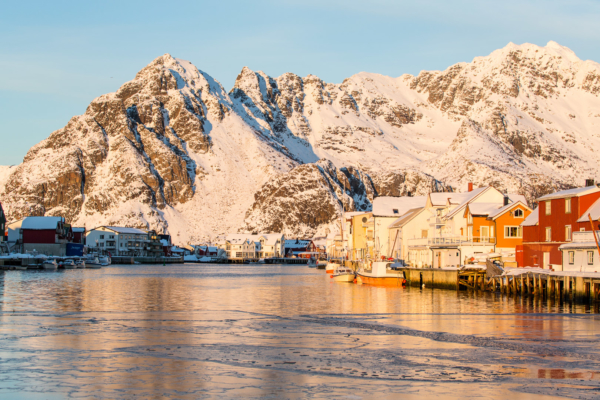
[172, 150]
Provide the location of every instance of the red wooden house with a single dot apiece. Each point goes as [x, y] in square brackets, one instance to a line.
[552, 224]
[78, 235]
[46, 235]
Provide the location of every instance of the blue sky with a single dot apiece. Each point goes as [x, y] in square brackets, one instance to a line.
[55, 57]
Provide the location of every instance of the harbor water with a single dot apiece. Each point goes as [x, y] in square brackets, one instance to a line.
[194, 331]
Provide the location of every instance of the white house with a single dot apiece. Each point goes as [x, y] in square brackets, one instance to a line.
[386, 210]
[271, 245]
[120, 241]
[238, 246]
[581, 254]
[413, 224]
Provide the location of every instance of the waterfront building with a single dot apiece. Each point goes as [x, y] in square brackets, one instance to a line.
[581, 254]
[46, 235]
[557, 216]
[238, 246]
[122, 241]
[293, 247]
[362, 236]
[386, 210]
[447, 233]
[270, 245]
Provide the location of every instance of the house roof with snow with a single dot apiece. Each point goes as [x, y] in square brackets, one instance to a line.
[270, 238]
[386, 206]
[533, 219]
[502, 210]
[468, 197]
[123, 230]
[406, 218]
[297, 243]
[41, 223]
[594, 211]
[483, 209]
[577, 192]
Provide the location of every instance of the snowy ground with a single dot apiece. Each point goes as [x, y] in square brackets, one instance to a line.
[287, 332]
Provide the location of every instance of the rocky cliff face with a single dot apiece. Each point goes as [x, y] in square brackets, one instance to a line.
[172, 150]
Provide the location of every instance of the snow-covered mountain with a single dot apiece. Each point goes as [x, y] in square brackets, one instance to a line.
[172, 150]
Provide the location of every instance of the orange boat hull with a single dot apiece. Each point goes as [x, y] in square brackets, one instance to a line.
[381, 281]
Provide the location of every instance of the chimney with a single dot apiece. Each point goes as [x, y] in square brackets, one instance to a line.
[589, 182]
[506, 199]
[470, 186]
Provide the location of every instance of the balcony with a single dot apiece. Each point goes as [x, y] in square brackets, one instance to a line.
[452, 241]
[436, 221]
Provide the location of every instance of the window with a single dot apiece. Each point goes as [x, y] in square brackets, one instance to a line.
[395, 210]
[571, 257]
[568, 233]
[423, 233]
[567, 206]
[121, 244]
[548, 207]
[581, 229]
[518, 213]
[101, 236]
[548, 234]
[512, 232]
[590, 257]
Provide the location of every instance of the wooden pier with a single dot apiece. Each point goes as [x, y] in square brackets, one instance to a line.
[283, 260]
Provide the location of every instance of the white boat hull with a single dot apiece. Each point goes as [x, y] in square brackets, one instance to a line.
[344, 278]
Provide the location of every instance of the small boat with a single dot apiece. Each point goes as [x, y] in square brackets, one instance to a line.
[67, 264]
[378, 273]
[20, 267]
[343, 274]
[93, 263]
[80, 264]
[312, 262]
[49, 264]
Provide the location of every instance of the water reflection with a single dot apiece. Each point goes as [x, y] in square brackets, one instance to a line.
[247, 330]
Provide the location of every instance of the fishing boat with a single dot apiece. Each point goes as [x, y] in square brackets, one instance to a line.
[379, 273]
[49, 264]
[312, 262]
[343, 274]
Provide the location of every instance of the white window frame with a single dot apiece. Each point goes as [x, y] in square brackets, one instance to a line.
[518, 216]
[568, 233]
[508, 236]
[568, 206]
[571, 257]
[548, 234]
[548, 207]
[590, 258]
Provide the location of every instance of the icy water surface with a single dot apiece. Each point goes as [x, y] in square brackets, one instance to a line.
[225, 331]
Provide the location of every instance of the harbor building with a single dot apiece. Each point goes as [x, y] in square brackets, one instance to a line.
[121, 241]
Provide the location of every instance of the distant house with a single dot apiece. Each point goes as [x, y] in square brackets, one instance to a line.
[122, 241]
[270, 245]
[46, 235]
[206, 251]
[78, 235]
[294, 247]
[238, 246]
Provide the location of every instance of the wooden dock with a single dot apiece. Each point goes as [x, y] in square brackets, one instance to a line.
[283, 260]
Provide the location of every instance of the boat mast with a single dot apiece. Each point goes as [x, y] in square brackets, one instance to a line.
[342, 218]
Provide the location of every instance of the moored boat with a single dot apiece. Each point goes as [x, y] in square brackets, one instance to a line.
[378, 273]
[67, 264]
[93, 263]
[49, 264]
[343, 274]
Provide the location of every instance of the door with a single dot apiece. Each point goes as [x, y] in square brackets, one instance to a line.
[546, 264]
[485, 234]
